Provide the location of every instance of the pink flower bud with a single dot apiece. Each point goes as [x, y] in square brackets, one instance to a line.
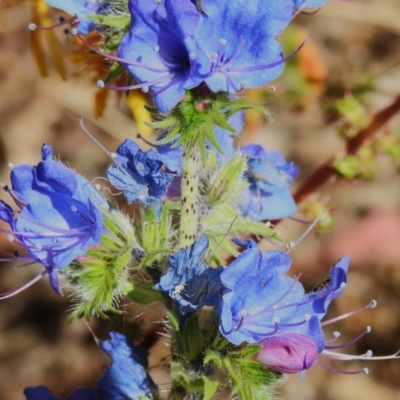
[289, 353]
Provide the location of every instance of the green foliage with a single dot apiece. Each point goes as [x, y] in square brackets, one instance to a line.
[153, 234]
[193, 120]
[97, 278]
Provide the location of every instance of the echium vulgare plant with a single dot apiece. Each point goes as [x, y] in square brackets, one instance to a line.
[236, 320]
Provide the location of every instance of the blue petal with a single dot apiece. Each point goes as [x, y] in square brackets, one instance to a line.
[39, 393]
[157, 41]
[192, 284]
[138, 174]
[126, 378]
[242, 59]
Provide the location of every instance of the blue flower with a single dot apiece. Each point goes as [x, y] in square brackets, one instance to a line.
[58, 218]
[270, 175]
[263, 305]
[262, 301]
[172, 47]
[82, 9]
[138, 174]
[126, 379]
[239, 41]
[189, 282]
[159, 50]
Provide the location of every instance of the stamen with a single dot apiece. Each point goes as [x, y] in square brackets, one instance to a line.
[372, 304]
[12, 293]
[93, 138]
[341, 346]
[145, 85]
[266, 66]
[62, 21]
[74, 32]
[367, 355]
[363, 371]
[290, 246]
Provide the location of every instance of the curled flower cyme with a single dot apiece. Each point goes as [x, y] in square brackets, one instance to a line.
[57, 217]
[138, 174]
[191, 283]
[125, 379]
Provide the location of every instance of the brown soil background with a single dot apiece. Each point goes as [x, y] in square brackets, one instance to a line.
[38, 346]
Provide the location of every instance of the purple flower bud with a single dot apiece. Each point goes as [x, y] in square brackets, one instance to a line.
[289, 353]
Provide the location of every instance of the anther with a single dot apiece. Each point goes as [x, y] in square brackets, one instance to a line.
[11, 165]
[74, 209]
[222, 41]
[192, 55]
[373, 303]
[10, 238]
[272, 88]
[366, 371]
[336, 334]
[74, 31]
[113, 155]
[100, 84]
[32, 26]
[368, 354]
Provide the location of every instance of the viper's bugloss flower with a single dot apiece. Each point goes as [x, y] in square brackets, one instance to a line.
[263, 302]
[125, 379]
[172, 47]
[57, 217]
[138, 174]
[82, 9]
[270, 176]
[191, 282]
[159, 50]
[239, 42]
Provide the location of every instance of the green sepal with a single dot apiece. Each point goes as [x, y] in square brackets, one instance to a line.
[213, 357]
[210, 387]
[173, 320]
[141, 292]
[153, 233]
[116, 70]
[249, 378]
[223, 219]
[228, 181]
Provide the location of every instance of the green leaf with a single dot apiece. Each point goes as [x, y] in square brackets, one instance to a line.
[142, 293]
[210, 387]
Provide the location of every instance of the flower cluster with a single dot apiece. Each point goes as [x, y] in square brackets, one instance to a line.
[201, 203]
[173, 46]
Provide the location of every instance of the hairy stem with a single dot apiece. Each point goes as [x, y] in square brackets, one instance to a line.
[190, 195]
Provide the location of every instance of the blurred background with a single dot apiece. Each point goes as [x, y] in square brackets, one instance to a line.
[348, 71]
